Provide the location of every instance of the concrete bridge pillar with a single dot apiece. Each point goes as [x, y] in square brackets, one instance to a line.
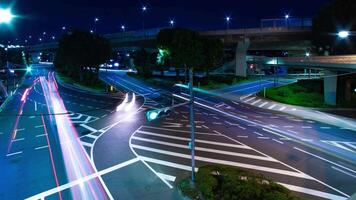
[330, 87]
[240, 57]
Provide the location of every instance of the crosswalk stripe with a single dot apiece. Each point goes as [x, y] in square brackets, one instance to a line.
[246, 96]
[235, 164]
[86, 144]
[88, 127]
[272, 106]
[256, 102]
[263, 104]
[167, 177]
[91, 136]
[201, 149]
[197, 140]
[282, 108]
[168, 164]
[250, 99]
[313, 192]
[174, 130]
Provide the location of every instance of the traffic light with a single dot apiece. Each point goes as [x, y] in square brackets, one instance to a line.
[155, 114]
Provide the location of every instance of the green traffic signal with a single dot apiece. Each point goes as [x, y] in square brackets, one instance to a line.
[152, 115]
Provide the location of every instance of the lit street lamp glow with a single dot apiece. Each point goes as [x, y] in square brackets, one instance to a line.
[144, 8]
[171, 22]
[343, 34]
[123, 28]
[286, 16]
[5, 16]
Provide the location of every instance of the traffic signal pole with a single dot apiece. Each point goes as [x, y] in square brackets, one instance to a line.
[192, 126]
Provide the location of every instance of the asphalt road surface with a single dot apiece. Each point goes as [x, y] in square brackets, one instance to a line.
[58, 142]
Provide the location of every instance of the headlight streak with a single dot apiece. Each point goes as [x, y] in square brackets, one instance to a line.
[122, 105]
[76, 162]
[23, 102]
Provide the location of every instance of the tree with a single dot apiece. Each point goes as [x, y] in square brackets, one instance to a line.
[81, 53]
[213, 54]
[184, 46]
[333, 17]
[142, 63]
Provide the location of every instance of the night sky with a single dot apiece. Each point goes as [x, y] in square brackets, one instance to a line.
[38, 16]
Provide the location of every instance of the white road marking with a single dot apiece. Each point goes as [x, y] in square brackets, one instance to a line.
[292, 131]
[168, 164]
[246, 96]
[197, 140]
[86, 144]
[20, 129]
[41, 135]
[313, 192]
[259, 134]
[88, 127]
[307, 140]
[35, 106]
[306, 127]
[342, 171]
[282, 108]
[167, 177]
[42, 147]
[82, 180]
[263, 138]
[217, 123]
[324, 159]
[16, 140]
[348, 146]
[288, 126]
[242, 136]
[250, 99]
[174, 130]
[237, 164]
[91, 136]
[256, 102]
[32, 117]
[272, 106]
[12, 154]
[263, 104]
[280, 142]
[325, 127]
[198, 149]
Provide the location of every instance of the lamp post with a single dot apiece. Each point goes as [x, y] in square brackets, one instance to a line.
[123, 28]
[286, 17]
[95, 22]
[171, 23]
[144, 10]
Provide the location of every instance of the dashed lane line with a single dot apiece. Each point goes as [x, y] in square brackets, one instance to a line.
[42, 147]
[13, 154]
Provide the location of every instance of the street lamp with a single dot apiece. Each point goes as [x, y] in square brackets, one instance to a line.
[287, 20]
[95, 21]
[343, 34]
[123, 28]
[6, 16]
[171, 22]
[228, 19]
[144, 10]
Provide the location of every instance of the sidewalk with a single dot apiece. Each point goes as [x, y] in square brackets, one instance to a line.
[303, 112]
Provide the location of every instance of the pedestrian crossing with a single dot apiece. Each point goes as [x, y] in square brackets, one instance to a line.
[253, 100]
[167, 152]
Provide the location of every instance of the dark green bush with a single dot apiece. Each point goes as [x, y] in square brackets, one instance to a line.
[229, 183]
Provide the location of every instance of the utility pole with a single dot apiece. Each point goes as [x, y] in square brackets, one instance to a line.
[192, 126]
